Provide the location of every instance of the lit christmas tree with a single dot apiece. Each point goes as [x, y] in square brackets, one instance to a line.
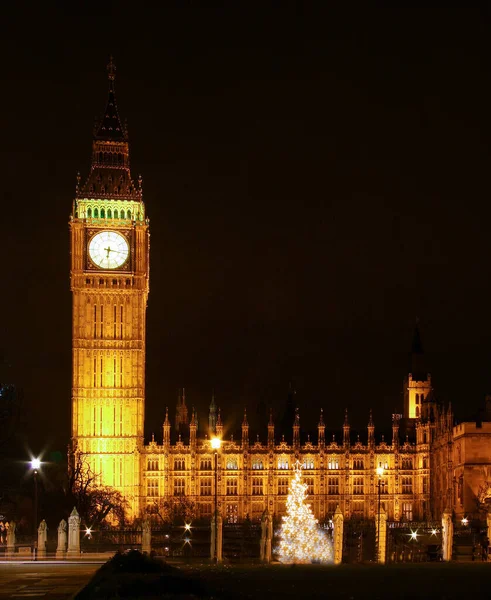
[301, 538]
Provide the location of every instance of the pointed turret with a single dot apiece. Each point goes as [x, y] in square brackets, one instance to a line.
[110, 175]
[371, 431]
[212, 417]
[322, 430]
[296, 430]
[395, 432]
[271, 429]
[193, 426]
[166, 428]
[181, 411]
[346, 429]
[219, 426]
[245, 431]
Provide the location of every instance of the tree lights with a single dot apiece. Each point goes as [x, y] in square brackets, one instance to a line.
[301, 539]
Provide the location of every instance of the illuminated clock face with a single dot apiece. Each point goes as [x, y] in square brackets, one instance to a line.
[108, 249]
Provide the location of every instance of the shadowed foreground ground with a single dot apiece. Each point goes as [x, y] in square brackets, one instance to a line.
[424, 580]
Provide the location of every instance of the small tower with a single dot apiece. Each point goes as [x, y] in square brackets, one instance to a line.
[166, 428]
[181, 411]
[395, 432]
[219, 426]
[212, 417]
[322, 431]
[346, 429]
[296, 430]
[193, 426]
[271, 429]
[245, 431]
[417, 385]
[371, 432]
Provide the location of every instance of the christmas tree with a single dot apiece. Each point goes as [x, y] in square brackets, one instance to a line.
[301, 538]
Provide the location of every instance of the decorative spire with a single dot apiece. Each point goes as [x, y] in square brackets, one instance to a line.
[297, 418]
[321, 419]
[244, 422]
[370, 420]
[166, 422]
[346, 422]
[111, 69]
[271, 422]
[110, 127]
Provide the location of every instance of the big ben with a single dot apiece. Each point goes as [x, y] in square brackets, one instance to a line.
[110, 285]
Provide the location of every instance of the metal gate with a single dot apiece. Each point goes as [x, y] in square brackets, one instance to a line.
[413, 542]
[359, 541]
[241, 541]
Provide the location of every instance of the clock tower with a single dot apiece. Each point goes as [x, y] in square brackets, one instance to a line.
[110, 285]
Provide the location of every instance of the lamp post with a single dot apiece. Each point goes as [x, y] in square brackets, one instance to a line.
[215, 444]
[380, 472]
[35, 466]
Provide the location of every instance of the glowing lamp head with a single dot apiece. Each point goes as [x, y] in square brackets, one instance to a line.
[414, 535]
[380, 471]
[465, 521]
[35, 463]
[216, 443]
[187, 526]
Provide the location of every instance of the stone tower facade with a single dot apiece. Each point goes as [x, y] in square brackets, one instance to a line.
[110, 285]
[417, 385]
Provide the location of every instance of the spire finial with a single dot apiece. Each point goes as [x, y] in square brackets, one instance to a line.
[270, 417]
[346, 416]
[370, 420]
[244, 422]
[321, 420]
[111, 69]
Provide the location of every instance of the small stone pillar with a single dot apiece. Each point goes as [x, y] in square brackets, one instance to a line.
[447, 534]
[266, 537]
[269, 541]
[146, 536]
[264, 533]
[338, 521]
[216, 528]
[381, 535]
[62, 540]
[73, 535]
[11, 540]
[42, 539]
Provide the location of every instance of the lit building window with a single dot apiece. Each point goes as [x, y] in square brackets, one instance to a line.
[204, 510]
[232, 464]
[232, 487]
[283, 463]
[179, 464]
[282, 486]
[358, 464]
[205, 464]
[407, 485]
[232, 513]
[333, 486]
[358, 485]
[257, 464]
[333, 464]
[153, 465]
[179, 486]
[407, 464]
[308, 463]
[257, 486]
[205, 487]
[407, 511]
[310, 485]
[152, 488]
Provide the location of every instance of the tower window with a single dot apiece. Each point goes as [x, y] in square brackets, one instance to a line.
[121, 322]
[96, 213]
[89, 213]
[116, 214]
[417, 398]
[417, 411]
[128, 215]
[109, 213]
[103, 213]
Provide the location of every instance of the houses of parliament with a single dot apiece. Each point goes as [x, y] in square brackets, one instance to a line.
[429, 463]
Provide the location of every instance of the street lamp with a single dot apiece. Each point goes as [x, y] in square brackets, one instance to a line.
[380, 473]
[215, 444]
[35, 466]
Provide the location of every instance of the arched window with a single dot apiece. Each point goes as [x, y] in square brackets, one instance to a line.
[417, 411]
[116, 214]
[96, 213]
[128, 215]
[100, 156]
[103, 213]
[232, 464]
[89, 213]
[109, 213]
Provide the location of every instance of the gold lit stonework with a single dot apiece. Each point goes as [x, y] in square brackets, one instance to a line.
[109, 305]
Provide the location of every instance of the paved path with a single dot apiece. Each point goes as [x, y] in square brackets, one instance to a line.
[55, 580]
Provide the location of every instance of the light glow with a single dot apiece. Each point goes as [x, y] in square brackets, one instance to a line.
[301, 538]
[413, 535]
[216, 443]
[380, 470]
[434, 531]
[35, 464]
[465, 521]
[187, 526]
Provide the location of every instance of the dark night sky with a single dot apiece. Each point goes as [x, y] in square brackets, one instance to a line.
[315, 179]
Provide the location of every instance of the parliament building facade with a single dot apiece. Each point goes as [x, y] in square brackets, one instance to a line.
[110, 250]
